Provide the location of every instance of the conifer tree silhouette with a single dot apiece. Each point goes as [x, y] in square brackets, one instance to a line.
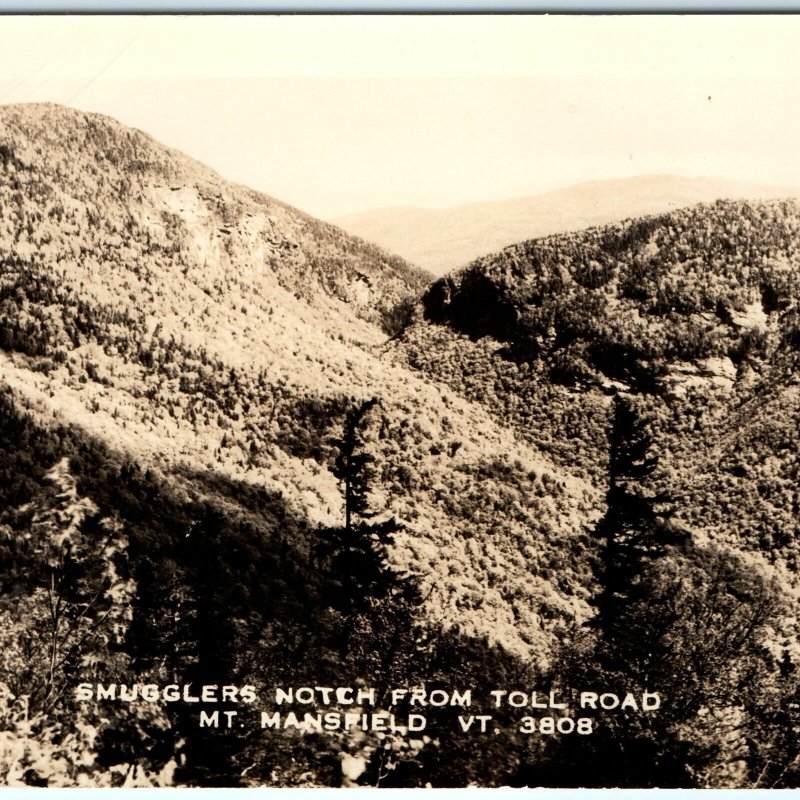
[635, 529]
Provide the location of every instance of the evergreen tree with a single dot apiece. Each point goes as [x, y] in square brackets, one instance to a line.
[686, 620]
[356, 554]
[375, 604]
[371, 609]
[636, 527]
[352, 465]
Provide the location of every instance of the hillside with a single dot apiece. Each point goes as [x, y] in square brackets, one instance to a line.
[193, 339]
[183, 211]
[235, 452]
[696, 312]
[443, 239]
[176, 337]
[688, 324]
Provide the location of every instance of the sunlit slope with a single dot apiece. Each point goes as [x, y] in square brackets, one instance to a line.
[199, 327]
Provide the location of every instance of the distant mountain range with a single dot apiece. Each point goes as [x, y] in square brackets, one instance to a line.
[442, 239]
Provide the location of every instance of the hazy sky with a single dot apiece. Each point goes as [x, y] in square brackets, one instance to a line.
[341, 114]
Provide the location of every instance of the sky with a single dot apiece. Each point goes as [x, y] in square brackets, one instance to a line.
[342, 114]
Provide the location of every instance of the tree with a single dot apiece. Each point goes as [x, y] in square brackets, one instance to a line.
[371, 608]
[689, 621]
[352, 465]
[67, 623]
[78, 598]
[357, 554]
[636, 527]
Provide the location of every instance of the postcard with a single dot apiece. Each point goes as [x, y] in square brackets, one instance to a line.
[399, 401]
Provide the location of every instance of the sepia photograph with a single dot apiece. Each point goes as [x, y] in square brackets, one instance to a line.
[400, 401]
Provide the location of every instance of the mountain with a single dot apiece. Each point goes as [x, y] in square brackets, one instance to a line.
[188, 351]
[658, 357]
[695, 312]
[443, 239]
[241, 448]
[194, 323]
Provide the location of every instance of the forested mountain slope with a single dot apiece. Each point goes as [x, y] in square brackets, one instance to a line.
[184, 353]
[194, 323]
[696, 312]
[659, 359]
[81, 188]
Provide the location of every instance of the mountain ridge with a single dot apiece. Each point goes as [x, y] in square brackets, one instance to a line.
[446, 238]
[183, 333]
[630, 308]
[115, 144]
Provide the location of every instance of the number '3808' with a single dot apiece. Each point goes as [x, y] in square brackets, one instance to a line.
[556, 725]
